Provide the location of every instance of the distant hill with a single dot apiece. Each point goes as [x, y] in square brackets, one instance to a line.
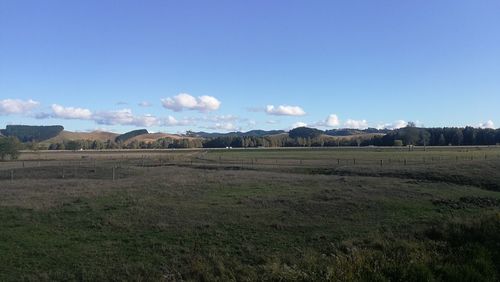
[349, 132]
[72, 136]
[28, 133]
[57, 135]
[305, 132]
[131, 134]
[252, 133]
[153, 137]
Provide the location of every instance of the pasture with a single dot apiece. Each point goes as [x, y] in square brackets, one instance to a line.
[337, 214]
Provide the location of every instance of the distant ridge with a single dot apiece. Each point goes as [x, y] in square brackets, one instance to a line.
[72, 136]
[28, 133]
[252, 133]
[349, 131]
[131, 134]
[153, 137]
[55, 137]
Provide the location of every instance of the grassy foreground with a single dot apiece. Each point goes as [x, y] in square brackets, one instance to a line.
[250, 215]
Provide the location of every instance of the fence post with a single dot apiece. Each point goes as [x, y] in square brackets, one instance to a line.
[381, 162]
[63, 173]
[405, 161]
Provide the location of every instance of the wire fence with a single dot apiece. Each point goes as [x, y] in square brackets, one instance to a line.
[122, 166]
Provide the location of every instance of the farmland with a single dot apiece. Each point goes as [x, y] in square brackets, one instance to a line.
[339, 214]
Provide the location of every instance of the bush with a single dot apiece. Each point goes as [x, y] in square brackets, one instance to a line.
[9, 147]
[398, 143]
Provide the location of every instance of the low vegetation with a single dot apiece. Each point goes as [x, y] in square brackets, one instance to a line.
[9, 148]
[252, 215]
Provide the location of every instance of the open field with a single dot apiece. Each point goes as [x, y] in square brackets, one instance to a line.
[341, 214]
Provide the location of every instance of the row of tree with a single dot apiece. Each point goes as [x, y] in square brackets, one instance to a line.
[301, 137]
[164, 143]
[218, 142]
[452, 136]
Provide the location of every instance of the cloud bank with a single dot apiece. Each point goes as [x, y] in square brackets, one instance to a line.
[70, 112]
[356, 124]
[17, 106]
[285, 110]
[489, 124]
[185, 101]
[124, 117]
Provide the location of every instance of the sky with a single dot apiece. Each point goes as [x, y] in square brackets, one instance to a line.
[226, 65]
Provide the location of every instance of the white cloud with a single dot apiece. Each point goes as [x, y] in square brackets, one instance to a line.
[299, 124]
[70, 112]
[125, 117]
[332, 121]
[184, 101]
[222, 118]
[488, 124]
[17, 106]
[172, 121]
[285, 110]
[226, 126]
[144, 104]
[42, 115]
[356, 124]
[145, 120]
[395, 125]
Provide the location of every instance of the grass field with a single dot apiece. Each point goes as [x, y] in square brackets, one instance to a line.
[343, 214]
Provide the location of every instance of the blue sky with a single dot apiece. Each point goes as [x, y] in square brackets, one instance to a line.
[88, 64]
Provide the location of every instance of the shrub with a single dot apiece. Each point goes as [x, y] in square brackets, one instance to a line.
[9, 147]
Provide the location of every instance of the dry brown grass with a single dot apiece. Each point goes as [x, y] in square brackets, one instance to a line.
[94, 135]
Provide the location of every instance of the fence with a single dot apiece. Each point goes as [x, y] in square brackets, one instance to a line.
[116, 168]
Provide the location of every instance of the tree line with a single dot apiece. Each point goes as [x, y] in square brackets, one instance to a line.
[300, 137]
[163, 143]
[448, 136]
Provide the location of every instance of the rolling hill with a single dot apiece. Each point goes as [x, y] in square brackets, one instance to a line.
[152, 137]
[71, 136]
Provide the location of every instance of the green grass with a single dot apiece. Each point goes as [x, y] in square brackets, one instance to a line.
[201, 217]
